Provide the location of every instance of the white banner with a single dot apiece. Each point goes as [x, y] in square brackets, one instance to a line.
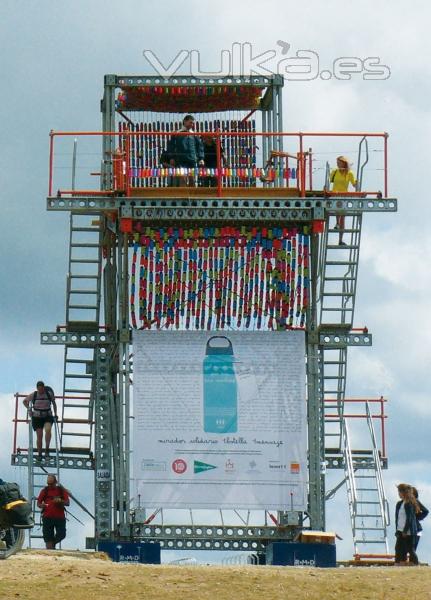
[220, 419]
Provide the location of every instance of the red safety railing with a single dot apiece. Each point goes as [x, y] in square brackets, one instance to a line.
[20, 408]
[124, 172]
[380, 415]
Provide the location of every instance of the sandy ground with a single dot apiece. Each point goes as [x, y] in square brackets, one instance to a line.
[42, 575]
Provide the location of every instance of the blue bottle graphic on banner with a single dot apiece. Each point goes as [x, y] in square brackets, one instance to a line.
[220, 387]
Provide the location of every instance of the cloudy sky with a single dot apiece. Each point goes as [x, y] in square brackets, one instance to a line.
[53, 58]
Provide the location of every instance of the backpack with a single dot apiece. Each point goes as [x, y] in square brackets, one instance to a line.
[19, 513]
[9, 492]
[49, 392]
[165, 157]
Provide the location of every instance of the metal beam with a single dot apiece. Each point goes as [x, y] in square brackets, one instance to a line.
[336, 461]
[219, 214]
[103, 444]
[316, 446]
[191, 80]
[64, 462]
[212, 537]
[348, 206]
[83, 340]
[342, 340]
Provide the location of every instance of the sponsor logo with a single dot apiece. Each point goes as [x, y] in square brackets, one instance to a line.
[201, 467]
[229, 466]
[304, 562]
[179, 466]
[130, 558]
[252, 467]
[295, 468]
[275, 464]
[103, 475]
[149, 464]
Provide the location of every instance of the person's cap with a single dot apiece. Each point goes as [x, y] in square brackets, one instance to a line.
[40, 384]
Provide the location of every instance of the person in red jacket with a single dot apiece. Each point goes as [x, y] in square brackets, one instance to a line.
[52, 500]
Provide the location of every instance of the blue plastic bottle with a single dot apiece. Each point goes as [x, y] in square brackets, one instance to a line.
[220, 387]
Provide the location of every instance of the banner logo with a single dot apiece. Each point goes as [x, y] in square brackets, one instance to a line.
[200, 467]
[179, 466]
[148, 464]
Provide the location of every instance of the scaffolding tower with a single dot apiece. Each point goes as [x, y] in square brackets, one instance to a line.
[244, 116]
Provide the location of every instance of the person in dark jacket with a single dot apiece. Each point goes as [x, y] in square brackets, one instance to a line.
[186, 150]
[210, 154]
[419, 517]
[406, 529]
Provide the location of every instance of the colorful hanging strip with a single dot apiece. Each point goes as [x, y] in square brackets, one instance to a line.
[237, 175]
[217, 278]
[177, 99]
[149, 164]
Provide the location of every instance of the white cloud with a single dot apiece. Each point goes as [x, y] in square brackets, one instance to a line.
[369, 374]
[399, 256]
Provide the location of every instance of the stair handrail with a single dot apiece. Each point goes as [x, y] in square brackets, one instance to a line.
[349, 469]
[384, 505]
[327, 175]
[360, 167]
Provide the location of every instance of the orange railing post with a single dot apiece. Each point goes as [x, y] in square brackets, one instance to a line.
[127, 181]
[51, 161]
[382, 424]
[301, 167]
[385, 159]
[15, 422]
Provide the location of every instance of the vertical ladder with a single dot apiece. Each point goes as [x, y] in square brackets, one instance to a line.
[368, 505]
[37, 473]
[338, 281]
[82, 315]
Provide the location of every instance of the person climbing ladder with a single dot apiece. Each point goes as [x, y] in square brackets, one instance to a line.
[43, 410]
[340, 179]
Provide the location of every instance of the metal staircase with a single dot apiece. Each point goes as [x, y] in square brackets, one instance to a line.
[369, 511]
[338, 280]
[82, 317]
[363, 477]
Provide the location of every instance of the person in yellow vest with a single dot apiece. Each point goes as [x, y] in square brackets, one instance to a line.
[340, 178]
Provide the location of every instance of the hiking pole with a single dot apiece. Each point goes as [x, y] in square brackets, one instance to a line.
[57, 434]
[57, 430]
[73, 516]
[80, 504]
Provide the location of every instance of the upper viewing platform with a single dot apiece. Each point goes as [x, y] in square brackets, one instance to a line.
[205, 139]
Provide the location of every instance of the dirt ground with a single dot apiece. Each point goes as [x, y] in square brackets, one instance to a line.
[44, 575]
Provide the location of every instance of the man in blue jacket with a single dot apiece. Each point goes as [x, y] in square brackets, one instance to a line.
[186, 150]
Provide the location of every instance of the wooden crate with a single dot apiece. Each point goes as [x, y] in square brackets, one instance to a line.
[316, 537]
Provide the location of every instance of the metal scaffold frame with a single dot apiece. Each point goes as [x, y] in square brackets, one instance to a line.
[109, 367]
